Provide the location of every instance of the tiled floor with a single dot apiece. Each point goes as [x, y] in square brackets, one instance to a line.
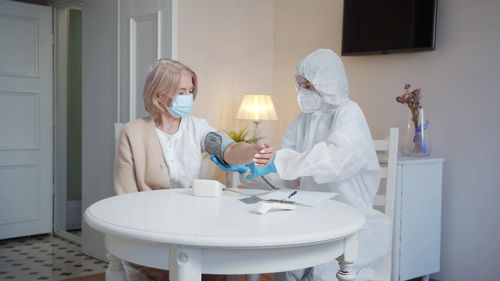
[44, 257]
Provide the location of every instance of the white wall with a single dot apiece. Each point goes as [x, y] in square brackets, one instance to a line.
[99, 110]
[460, 84]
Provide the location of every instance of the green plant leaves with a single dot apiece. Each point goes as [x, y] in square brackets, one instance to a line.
[240, 136]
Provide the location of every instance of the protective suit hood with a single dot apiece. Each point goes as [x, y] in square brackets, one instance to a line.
[325, 70]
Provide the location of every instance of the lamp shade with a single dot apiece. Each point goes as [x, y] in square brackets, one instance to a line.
[257, 107]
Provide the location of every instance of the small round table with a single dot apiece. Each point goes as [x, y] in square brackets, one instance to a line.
[188, 235]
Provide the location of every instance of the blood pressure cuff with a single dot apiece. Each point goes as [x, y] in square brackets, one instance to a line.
[216, 143]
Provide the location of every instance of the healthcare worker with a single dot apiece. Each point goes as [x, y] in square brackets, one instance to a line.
[328, 147]
[164, 150]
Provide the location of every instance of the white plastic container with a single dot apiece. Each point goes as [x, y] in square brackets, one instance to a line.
[207, 188]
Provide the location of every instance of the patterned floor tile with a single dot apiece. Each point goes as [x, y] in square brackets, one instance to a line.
[44, 257]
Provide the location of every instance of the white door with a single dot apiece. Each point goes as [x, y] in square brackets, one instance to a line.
[25, 119]
[148, 32]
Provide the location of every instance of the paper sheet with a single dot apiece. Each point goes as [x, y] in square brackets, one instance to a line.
[308, 198]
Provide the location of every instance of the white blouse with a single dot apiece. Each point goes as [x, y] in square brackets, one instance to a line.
[183, 150]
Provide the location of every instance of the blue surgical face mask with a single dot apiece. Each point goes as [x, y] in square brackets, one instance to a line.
[181, 106]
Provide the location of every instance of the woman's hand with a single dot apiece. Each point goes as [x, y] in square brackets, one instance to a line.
[264, 155]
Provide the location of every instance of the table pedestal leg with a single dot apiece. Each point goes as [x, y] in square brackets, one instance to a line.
[253, 277]
[115, 271]
[185, 264]
[346, 273]
[346, 261]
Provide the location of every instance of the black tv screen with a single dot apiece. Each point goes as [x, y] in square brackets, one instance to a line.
[388, 26]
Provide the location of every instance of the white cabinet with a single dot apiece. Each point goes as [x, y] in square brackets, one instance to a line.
[417, 221]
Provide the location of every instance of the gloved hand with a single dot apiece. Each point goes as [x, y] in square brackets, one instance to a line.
[232, 168]
[257, 171]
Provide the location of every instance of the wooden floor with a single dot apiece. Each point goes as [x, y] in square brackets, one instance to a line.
[101, 277]
[263, 277]
[93, 277]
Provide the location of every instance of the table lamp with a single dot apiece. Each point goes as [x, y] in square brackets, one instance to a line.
[257, 108]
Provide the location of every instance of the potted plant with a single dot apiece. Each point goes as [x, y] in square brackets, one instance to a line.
[240, 136]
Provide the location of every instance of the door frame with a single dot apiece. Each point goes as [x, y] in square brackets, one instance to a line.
[60, 30]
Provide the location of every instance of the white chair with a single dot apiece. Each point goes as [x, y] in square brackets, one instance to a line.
[388, 151]
[118, 131]
[121, 270]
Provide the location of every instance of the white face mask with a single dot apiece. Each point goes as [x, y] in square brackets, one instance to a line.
[308, 100]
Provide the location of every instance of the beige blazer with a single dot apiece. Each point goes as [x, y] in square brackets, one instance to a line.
[139, 163]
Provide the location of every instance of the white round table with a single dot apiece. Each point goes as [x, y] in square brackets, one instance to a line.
[188, 235]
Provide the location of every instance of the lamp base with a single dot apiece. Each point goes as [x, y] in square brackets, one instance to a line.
[256, 122]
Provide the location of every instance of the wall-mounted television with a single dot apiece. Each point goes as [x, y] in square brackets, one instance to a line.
[388, 26]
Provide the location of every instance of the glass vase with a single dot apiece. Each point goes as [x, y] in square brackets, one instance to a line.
[418, 141]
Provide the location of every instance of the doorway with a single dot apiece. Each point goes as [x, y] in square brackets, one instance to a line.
[68, 120]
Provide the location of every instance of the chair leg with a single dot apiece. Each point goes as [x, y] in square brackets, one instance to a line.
[115, 271]
[253, 277]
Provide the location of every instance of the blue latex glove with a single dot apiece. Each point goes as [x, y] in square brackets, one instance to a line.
[257, 171]
[232, 168]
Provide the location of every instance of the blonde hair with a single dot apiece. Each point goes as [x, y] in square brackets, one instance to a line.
[164, 75]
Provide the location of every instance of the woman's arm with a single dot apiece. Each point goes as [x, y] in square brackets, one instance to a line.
[244, 153]
[236, 153]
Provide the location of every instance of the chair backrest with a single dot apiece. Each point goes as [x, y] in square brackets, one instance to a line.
[118, 131]
[387, 150]
[388, 171]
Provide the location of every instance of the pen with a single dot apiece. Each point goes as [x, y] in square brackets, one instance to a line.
[293, 193]
[281, 201]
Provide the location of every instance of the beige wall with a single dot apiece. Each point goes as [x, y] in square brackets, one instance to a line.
[229, 44]
[299, 28]
[460, 84]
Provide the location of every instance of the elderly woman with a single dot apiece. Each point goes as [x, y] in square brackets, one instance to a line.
[164, 150]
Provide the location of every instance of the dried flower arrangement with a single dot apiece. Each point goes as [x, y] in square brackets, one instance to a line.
[413, 100]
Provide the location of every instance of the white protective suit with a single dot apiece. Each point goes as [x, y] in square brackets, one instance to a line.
[331, 149]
